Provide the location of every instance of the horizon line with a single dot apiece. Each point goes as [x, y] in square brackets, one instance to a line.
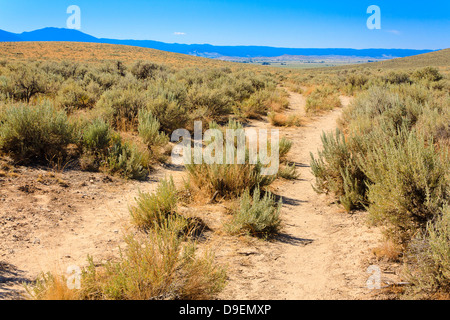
[203, 44]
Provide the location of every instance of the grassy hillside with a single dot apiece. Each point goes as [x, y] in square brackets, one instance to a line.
[98, 53]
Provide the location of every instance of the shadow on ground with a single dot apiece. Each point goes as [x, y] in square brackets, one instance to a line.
[11, 279]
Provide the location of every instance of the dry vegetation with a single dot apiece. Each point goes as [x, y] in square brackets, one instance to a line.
[111, 109]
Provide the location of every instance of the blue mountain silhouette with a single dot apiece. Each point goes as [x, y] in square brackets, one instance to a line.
[61, 34]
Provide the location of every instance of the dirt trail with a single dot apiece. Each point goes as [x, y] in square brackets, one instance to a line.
[322, 252]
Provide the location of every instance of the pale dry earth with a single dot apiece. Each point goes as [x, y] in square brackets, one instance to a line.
[321, 253]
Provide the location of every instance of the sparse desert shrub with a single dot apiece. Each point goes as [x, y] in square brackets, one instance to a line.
[120, 106]
[149, 131]
[35, 133]
[97, 136]
[428, 259]
[288, 172]
[409, 183]
[126, 160]
[146, 70]
[227, 180]
[159, 266]
[95, 141]
[285, 145]
[169, 113]
[322, 99]
[26, 81]
[212, 103]
[282, 120]
[394, 77]
[154, 209]
[257, 216]
[337, 171]
[72, 96]
[430, 74]
[256, 105]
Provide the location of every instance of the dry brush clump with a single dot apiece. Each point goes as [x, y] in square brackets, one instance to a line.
[391, 158]
[322, 99]
[160, 261]
[123, 96]
[158, 266]
[258, 215]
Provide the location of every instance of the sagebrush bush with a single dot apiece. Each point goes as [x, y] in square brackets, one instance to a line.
[428, 74]
[285, 145]
[154, 209]
[257, 216]
[288, 172]
[148, 129]
[409, 183]
[428, 259]
[72, 96]
[97, 137]
[120, 106]
[35, 133]
[322, 99]
[126, 160]
[337, 171]
[227, 180]
[26, 81]
[159, 266]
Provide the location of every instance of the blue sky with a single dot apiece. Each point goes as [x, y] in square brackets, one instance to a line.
[299, 24]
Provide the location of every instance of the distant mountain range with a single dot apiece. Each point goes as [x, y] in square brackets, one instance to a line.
[206, 50]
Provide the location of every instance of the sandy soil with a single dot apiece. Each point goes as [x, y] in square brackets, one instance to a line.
[50, 221]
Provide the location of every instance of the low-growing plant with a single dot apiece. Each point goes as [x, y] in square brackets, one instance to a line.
[288, 172]
[155, 208]
[227, 180]
[257, 216]
[322, 99]
[409, 183]
[428, 259]
[159, 266]
[285, 145]
[35, 133]
[126, 160]
[148, 129]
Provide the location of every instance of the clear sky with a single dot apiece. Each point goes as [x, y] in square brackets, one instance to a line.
[297, 24]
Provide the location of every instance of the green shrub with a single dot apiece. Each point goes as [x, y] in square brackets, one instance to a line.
[322, 99]
[428, 73]
[149, 131]
[257, 216]
[285, 146]
[146, 70]
[397, 78]
[337, 171]
[154, 209]
[126, 160]
[97, 137]
[120, 106]
[72, 96]
[26, 82]
[169, 113]
[288, 172]
[35, 133]
[409, 183]
[428, 259]
[227, 180]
